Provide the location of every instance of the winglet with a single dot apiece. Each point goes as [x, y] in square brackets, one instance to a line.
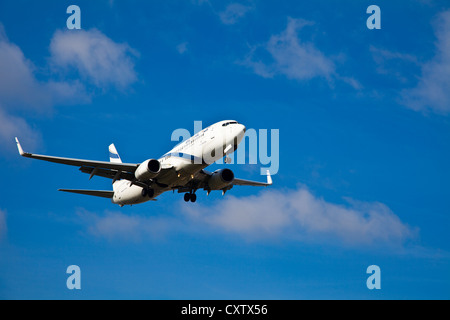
[19, 147]
[269, 178]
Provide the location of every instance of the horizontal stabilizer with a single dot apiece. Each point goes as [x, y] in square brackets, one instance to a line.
[242, 182]
[96, 193]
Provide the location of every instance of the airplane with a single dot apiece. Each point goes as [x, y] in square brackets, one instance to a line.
[181, 169]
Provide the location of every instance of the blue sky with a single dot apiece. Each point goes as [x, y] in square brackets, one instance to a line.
[364, 136]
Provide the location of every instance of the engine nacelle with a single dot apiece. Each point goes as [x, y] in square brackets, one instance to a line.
[147, 170]
[221, 179]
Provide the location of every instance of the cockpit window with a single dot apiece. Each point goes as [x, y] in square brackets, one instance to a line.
[227, 123]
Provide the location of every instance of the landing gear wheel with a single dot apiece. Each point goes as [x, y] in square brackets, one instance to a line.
[187, 197]
[193, 197]
[147, 192]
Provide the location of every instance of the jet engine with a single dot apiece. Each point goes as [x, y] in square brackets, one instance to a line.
[221, 179]
[147, 170]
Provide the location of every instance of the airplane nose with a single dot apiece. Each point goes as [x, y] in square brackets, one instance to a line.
[240, 132]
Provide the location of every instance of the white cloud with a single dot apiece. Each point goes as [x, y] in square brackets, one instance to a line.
[299, 215]
[96, 57]
[233, 12]
[290, 56]
[114, 225]
[18, 85]
[10, 127]
[433, 89]
[67, 93]
[182, 47]
[394, 64]
[292, 215]
[382, 55]
[20, 89]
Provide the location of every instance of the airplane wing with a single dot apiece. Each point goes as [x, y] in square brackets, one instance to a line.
[112, 170]
[126, 167]
[201, 181]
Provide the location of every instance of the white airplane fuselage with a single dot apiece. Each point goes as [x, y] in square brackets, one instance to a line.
[187, 159]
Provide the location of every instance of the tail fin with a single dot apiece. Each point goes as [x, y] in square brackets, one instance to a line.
[113, 154]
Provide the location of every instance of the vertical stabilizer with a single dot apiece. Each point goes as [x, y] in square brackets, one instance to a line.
[113, 154]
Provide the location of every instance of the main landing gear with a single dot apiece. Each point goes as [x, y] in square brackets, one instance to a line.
[148, 192]
[190, 196]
